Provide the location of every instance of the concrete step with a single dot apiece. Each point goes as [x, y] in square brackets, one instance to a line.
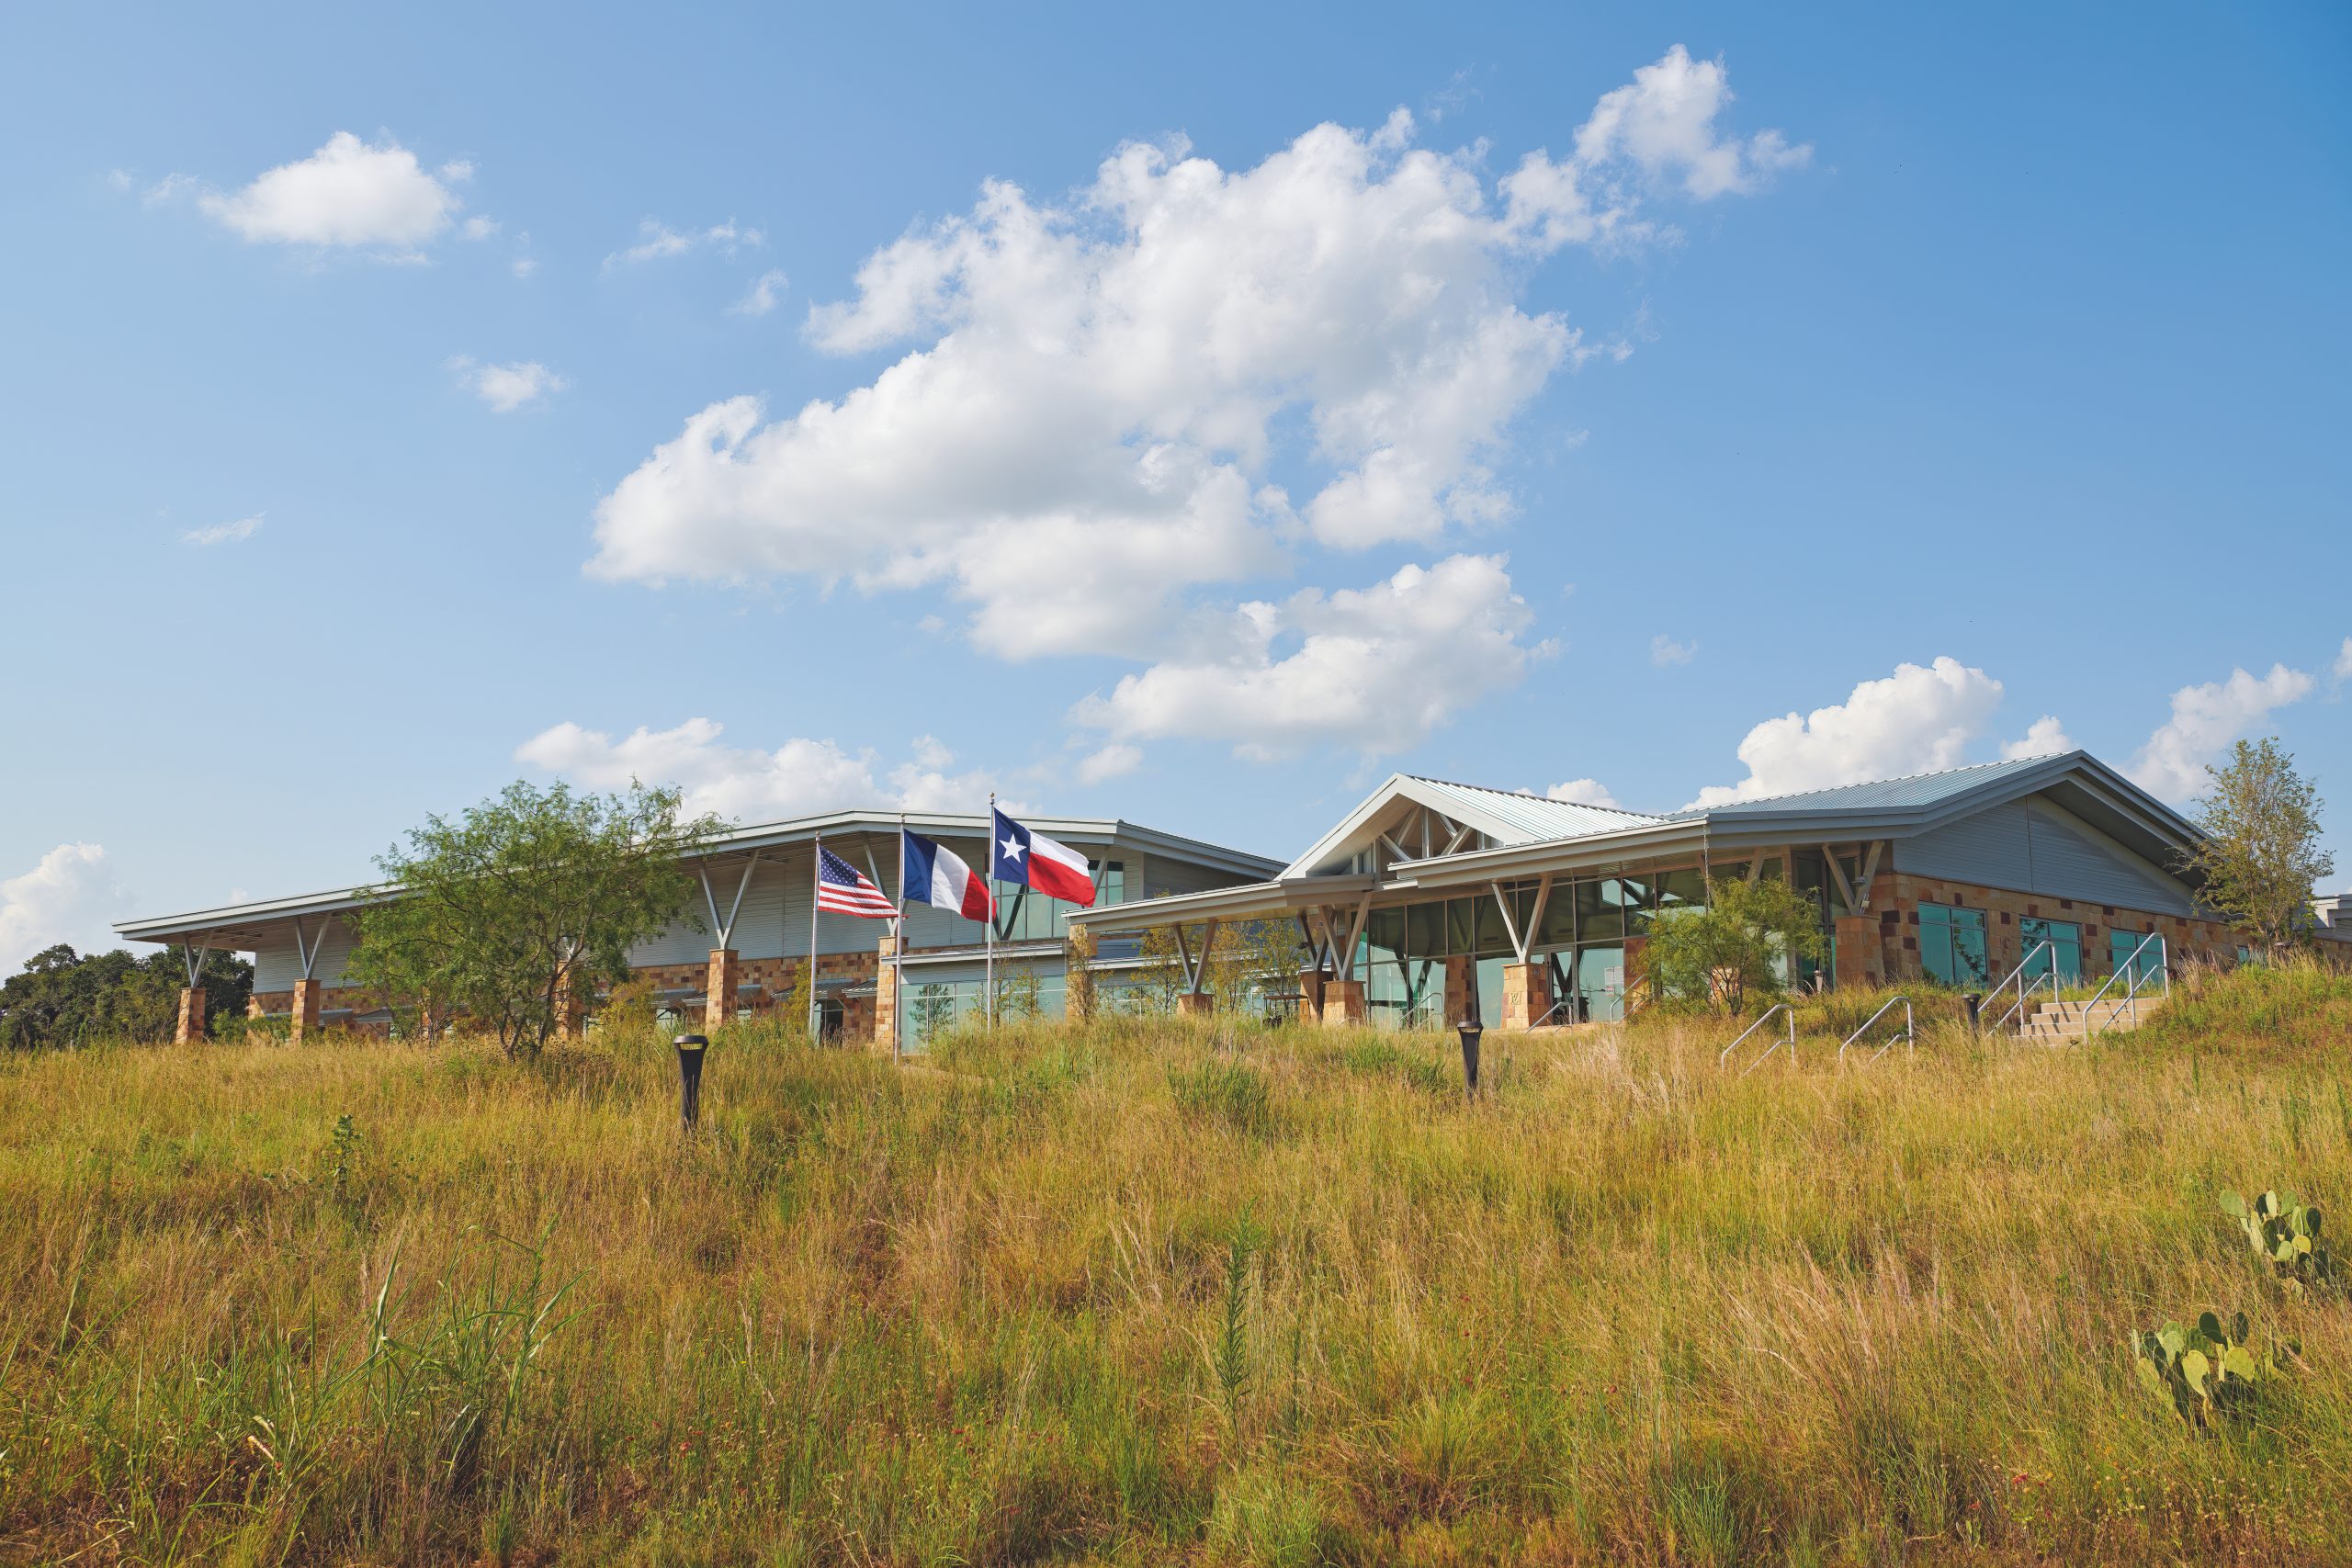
[2068, 1022]
[2075, 1012]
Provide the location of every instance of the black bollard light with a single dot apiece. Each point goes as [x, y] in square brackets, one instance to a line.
[690, 1050]
[1974, 1002]
[1471, 1030]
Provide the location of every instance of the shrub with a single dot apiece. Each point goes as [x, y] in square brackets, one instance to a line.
[2284, 1235]
[2207, 1372]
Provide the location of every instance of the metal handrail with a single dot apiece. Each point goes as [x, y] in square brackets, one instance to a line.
[2025, 988]
[1789, 1039]
[1909, 1037]
[2131, 990]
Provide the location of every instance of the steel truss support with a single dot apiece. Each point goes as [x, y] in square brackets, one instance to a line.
[725, 930]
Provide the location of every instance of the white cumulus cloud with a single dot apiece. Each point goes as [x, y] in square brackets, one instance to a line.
[657, 241]
[1665, 652]
[1918, 720]
[2342, 668]
[506, 388]
[1373, 669]
[1664, 120]
[2206, 720]
[1088, 397]
[2045, 736]
[68, 896]
[349, 193]
[748, 784]
[234, 533]
[765, 291]
[1581, 792]
[1114, 761]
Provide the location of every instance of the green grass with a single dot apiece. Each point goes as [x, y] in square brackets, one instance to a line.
[1146, 1292]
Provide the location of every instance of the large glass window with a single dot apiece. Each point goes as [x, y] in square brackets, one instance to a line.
[1952, 945]
[2121, 946]
[929, 1008]
[2048, 942]
[1601, 909]
[1601, 983]
[1685, 889]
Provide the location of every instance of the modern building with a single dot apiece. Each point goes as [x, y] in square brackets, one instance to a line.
[758, 922]
[1429, 889]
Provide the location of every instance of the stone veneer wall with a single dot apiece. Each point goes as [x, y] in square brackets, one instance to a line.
[774, 974]
[1895, 898]
[774, 977]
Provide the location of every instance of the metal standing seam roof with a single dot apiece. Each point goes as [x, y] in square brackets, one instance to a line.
[1533, 817]
[239, 920]
[1876, 794]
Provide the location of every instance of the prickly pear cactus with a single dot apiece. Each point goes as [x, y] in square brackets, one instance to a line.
[2208, 1372]
[2285, 1236]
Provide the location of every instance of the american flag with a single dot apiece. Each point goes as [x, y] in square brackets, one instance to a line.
[841, 889]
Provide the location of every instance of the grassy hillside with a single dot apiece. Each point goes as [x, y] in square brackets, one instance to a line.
[1144, 1294]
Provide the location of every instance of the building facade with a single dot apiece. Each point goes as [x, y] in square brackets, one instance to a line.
[756, 930]
[1433, 902]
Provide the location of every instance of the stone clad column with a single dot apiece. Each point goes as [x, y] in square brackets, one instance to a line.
[1859, 962]
[885, 992]
[1461, 982]
[1077, 974]
[1527, 994]
[1310, 996]
[721, 989]
[305, 1010]
[191, 1022]
[1344, 1004]
[1196, 1004]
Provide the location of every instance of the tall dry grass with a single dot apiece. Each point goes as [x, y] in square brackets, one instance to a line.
[1141, 1292]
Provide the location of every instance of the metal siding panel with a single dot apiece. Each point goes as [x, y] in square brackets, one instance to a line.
[679, 944]
[277, 965]
[2072, 860]
[1988, 848]
[1164, 874]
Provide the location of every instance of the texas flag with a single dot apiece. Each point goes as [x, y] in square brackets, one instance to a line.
[1035, 860]
[936, 876]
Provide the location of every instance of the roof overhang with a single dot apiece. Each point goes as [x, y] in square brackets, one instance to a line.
[1594, 851]
[241, 928]
[1282, 897]
[245, 927]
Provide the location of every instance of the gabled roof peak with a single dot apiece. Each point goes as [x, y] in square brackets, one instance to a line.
[1529, 795]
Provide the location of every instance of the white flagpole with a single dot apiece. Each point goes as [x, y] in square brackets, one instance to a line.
[899, 955]
[816, 864]
[989, 984]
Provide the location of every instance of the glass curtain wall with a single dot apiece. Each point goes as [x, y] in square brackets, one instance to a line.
[1582, 937]
[2065, 949]
[931, 1007]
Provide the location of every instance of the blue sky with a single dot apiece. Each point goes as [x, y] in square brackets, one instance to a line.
[391, 411]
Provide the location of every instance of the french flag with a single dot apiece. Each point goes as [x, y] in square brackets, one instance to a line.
[1030, 858]
[934, 876]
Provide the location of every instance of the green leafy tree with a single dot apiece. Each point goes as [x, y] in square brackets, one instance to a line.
[532, 893]
[1248, 956]
[1741, 945]
[2260, 857]
[60, 996]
